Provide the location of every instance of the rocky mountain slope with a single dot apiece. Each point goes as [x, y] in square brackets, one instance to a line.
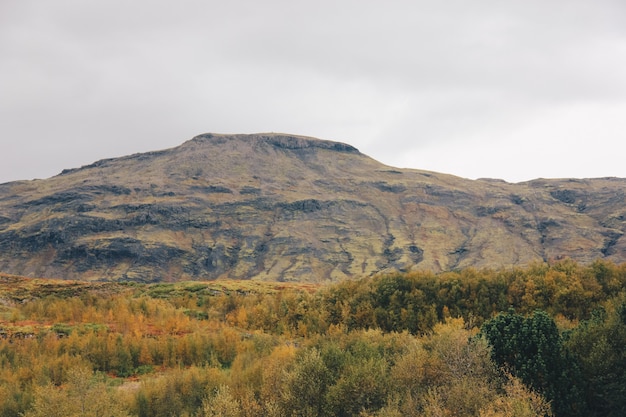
[292, 208]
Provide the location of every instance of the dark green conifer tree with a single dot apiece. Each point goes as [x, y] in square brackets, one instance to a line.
[531, 349]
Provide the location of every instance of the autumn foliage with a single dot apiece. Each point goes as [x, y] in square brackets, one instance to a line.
[416, 344]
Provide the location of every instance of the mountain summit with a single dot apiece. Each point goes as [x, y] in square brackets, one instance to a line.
[284, 207]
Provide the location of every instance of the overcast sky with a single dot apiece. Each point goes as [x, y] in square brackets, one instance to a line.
[515, 90]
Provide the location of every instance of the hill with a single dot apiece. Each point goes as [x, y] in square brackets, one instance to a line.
[292, 208]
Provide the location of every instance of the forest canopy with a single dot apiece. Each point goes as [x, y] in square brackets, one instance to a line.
[548, 339]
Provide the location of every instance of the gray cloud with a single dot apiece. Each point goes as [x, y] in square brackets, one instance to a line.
[515, 90]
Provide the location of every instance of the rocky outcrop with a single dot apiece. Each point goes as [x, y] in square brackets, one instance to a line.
[281, 207]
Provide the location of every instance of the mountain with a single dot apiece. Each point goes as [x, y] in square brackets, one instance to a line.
[293, 208]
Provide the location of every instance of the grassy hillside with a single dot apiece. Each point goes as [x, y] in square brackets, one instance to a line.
[288, 208]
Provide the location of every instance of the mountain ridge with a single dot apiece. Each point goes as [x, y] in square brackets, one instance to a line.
[294, 208]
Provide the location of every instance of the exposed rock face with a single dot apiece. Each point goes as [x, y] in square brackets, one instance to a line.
[280, 207]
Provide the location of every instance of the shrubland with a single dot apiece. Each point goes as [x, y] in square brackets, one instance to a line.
[547, 339]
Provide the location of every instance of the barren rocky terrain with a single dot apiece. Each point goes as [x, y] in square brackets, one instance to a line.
[292, 208]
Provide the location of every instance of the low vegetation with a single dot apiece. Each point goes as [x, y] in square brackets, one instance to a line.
[543, 340]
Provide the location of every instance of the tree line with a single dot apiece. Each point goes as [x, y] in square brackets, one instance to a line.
[547, 339]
